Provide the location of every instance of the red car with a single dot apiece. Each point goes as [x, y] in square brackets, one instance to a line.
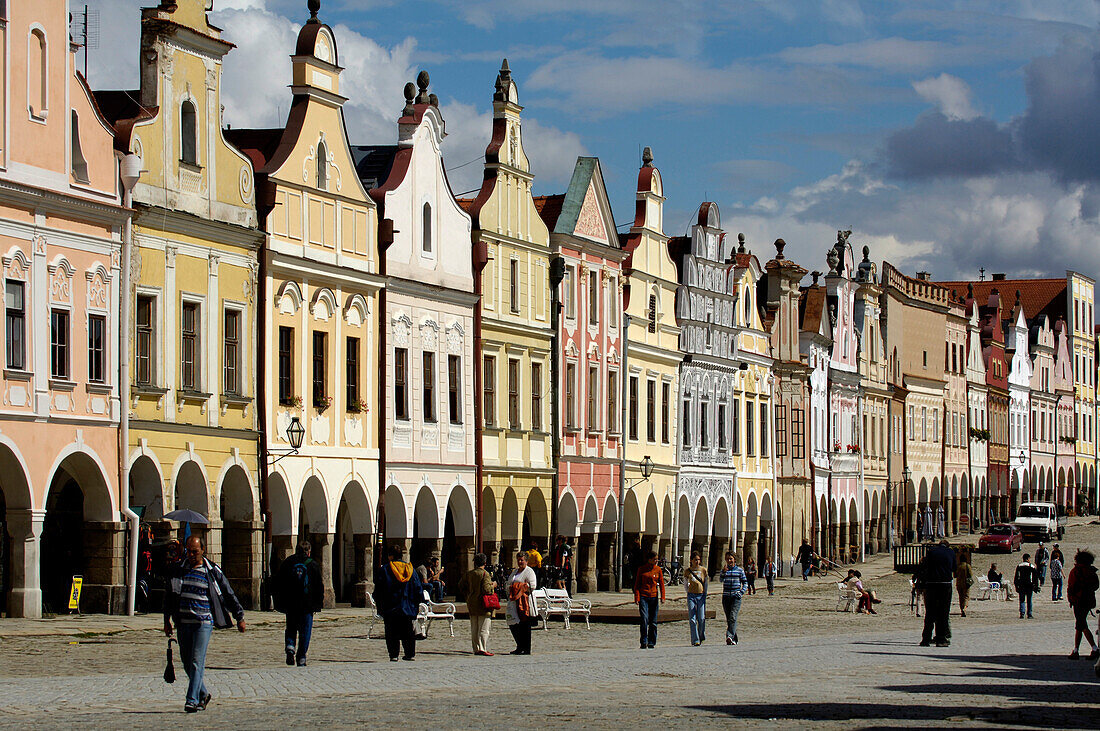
[1001, 537]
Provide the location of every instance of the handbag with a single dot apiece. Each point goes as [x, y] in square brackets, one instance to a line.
[169, 669]
[490, 601]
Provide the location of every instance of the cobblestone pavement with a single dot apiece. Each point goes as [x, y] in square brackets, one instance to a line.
[799, 663]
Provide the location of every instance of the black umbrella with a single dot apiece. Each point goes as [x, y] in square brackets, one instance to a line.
[169, 669]
[187, 516]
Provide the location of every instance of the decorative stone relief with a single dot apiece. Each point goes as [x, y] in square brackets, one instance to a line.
[402, 329]
[16, 264]
[429, 334]
[320, 429]
[40, 245]
[353, 431]
[456, 439]
[589, 222]
[454, 339]
[429, 436]
[170, 256]
[212, 265]
[402, 434]
[61, 283]
[245, 183]
[97, 290]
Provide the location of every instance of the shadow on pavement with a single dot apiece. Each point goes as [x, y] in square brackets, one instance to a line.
[867, 715]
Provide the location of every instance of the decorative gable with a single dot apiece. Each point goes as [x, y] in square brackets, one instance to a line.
[590, 223]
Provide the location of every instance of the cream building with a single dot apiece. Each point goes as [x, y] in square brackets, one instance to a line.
[319, 325]
[874, 409]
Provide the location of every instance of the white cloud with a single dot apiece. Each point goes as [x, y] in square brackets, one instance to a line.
[888, 54]
[950, 94]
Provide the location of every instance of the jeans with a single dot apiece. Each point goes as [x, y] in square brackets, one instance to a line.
[436, 590]
[1025, 598]
[194, 639]
[771, 585]
[731, 605]
[697, 617]
[647, 608]
[399, 635]
[299, 627]
[805, 571]
[1055, 589]
[1042, 574]
[937, 608]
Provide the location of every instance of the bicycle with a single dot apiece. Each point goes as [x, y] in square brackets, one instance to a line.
[673, 572]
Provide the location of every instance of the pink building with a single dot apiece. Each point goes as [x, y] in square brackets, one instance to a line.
[582, 232]
[61, 223]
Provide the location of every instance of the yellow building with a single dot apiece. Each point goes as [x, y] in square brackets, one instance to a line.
[512, 249]
[652, 355]
[754, 521]
[318, 324]
[193, 438]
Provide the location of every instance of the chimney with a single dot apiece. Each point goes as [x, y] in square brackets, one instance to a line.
[1000, 277]
[924, 276]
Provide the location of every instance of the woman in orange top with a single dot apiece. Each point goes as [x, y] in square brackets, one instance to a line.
[647, 583]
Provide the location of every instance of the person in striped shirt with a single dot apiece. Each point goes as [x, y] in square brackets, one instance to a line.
[734, 582]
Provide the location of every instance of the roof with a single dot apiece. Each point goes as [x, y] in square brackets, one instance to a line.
[549, 208]
[258, 144]
[373, 163]
[1038, 296]
[116, 104]
[811, 306]
[466, 204]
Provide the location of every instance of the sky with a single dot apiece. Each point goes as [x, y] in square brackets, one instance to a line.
[947, 135]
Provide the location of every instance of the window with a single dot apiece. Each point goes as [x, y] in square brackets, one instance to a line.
[231, 341]
[593, 383]
[721, 427]
[593, 296]
[685, 435]
[651, 410]
[426, 229]
[428, 386]
[924, 424]
[735, 432]
[571, 396]
[613, 300]
[97, 341]
[764, 430]
[925, 354]
[59, 344]
[37, 74]
[513, 393]
[704, 430]
[798, 433]
[652, 313]
[750, 447]
[286, 365]
[780, 430]
[536, 396]
[401, 383]
[454, 392]
[612, 402]
[189, 346]
[489, 390]
[666, 417]
[633, 407]
[351, 375]
[320, 355]
[188, 133]
[322, 165]
[912, 432]
[569, 288]
[15, 324]
[513, 284]
[79, 164]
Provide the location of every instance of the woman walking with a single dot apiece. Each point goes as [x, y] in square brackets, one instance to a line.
[964, 579]
[398, 594]
[750, 574]
[1081, 594]
[521, 613]
[476, 585]
[649, 584]
[697, 581]
[770, 573]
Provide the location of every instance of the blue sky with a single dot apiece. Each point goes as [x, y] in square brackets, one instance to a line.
[947, 135]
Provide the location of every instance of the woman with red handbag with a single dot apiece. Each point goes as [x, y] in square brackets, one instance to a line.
[481, 599]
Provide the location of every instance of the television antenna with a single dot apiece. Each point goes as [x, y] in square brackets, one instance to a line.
[84, 31]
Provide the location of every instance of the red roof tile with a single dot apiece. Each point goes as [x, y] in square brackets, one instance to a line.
[1038, 296]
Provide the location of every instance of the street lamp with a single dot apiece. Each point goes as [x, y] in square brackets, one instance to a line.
[295, 432]
[646, 467]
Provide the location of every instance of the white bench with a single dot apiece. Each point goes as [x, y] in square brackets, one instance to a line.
[430, 610]
[846, 595]
[373, 609]
[558, 601]
[916, 597]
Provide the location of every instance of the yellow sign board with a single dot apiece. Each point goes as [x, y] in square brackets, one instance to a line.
[74, 595]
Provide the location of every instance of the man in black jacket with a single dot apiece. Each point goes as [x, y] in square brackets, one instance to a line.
[935, 575]
[301, 592]
[1026, 581]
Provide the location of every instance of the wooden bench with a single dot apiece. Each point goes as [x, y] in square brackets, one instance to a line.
[430, 610]
[558, 601]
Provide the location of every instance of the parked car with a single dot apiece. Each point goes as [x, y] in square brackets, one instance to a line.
[1001, 537]
[1040, 521]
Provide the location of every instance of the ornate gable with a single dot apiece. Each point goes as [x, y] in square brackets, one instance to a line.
[590, 222]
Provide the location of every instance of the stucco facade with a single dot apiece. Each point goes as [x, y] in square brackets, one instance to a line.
[874, 404]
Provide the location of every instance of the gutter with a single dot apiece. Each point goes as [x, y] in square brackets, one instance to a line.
[129, 172]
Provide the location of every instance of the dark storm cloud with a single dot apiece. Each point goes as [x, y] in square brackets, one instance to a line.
[937, 147]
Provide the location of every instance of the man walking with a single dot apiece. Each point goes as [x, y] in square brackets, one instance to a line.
[805, 557]
[301, 592]
[197, 599]
[936, 573]
[562, 559]
[1026, 581]
[734, 582]
[1056, 571]
[1041, 558]
[649, 584]
[397, 594]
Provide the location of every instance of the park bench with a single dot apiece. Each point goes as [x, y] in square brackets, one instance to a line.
[989, 589]
[916, 597]
[372, 608]
[430, 610]
[846, 595]
[559, 602]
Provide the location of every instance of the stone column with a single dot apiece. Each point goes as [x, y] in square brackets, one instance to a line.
[322, 554]
[214, 542]
[435, 549]
[586, 563]
[748, 547]
[664, 549]
[465, 558]
[491, 549]
[605, 558]
[508, 550]
[104, 588]
[364, 569]
[872, 534]
[25, 599]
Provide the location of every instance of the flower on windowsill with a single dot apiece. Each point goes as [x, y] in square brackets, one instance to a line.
[853, 449]
[294, 402]
[358, 407]
[836, 446]
[322, 403]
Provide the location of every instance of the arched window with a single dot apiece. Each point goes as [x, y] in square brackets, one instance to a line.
[79, 164]
[322, 165]
[748, 307]
[37, 74]
[426, 230]
[188, 133]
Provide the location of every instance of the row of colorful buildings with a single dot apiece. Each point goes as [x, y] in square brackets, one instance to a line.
[297, 336]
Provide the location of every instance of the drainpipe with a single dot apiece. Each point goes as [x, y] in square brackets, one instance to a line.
[862, 483]
[480, 259]
[623, 378]
[557, 274]
[265, 201]
[385, 240]
[129, 171]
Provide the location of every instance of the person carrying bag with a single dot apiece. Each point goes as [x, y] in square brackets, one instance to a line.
[481, 600]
